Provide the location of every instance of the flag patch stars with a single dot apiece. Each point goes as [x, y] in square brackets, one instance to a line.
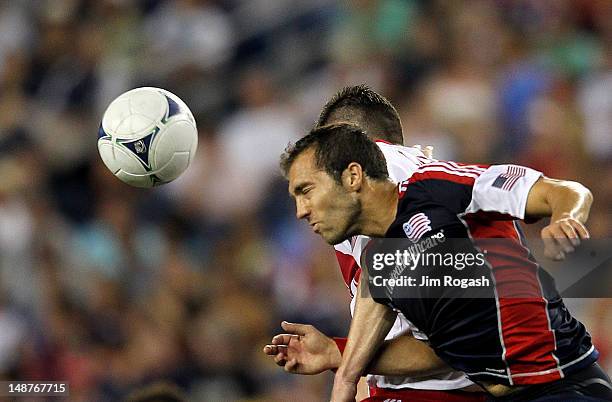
[506, 181]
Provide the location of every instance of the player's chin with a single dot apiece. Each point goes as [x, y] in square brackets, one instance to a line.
[326, 239]
[332, 238]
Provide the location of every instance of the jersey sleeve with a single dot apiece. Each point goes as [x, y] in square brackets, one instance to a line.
[348, 254]
[346, 262]
[503, 189]
[468, 189]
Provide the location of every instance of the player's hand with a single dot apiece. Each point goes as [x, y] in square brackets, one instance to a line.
[562, 236]
[303, 350]
[343, 391]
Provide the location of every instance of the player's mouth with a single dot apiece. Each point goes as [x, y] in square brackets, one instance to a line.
[315, 227]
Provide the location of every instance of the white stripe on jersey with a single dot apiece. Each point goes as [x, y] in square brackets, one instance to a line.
[426, 160]
[467, 167]
[444, 169]
[450, 165]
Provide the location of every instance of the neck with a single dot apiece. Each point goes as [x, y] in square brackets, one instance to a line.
[379, 207]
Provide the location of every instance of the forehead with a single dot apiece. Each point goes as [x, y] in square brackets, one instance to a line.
[304, 171]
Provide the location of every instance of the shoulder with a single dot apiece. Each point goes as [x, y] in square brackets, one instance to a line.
[402, 161]
[443, 183]
[419, 213]
[449, 171]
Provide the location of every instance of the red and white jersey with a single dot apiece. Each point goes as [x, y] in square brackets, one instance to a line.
[402, 162]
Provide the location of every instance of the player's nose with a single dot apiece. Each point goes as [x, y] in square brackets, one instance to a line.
[302, 210]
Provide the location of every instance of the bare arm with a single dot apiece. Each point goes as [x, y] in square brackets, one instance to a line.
[406, 356]
[558, 199]
[371, 323]
[303, 349]
[363, 391]
[567, 203]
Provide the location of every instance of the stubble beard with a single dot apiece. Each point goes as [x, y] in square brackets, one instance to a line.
[351, 225]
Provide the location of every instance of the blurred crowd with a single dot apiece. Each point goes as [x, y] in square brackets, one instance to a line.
[111, 288]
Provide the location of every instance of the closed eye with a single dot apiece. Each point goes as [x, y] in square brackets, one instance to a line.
[302, 189]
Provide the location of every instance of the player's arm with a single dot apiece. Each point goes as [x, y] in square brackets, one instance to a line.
[567, 203]
[406, 356]
[557, 198]
[363, 390]
[303, 349]
[519, 192]
[371, 323]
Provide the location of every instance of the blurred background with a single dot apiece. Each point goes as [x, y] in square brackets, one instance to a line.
[110, 287]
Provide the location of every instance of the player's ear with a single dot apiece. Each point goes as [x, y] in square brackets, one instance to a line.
[352, 177]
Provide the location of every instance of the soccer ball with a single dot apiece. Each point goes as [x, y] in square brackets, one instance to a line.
[147, 137]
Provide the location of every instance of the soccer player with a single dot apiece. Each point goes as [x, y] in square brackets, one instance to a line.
[377, 117]
[528, 348]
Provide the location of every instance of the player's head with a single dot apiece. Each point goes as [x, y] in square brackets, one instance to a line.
[327, 171]
[361, 105]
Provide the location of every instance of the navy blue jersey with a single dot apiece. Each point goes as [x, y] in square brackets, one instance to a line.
[505, 339]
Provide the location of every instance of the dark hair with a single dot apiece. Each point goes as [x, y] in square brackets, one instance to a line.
[336, 146]
[360, 105]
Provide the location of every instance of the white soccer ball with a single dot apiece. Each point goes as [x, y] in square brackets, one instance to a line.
[147, 137]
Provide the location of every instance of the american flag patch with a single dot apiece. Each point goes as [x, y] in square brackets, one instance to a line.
[416, 226]
[506, 181]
